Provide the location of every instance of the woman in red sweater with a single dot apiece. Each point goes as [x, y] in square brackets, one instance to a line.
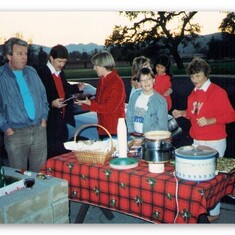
[162, 69]
[209, 110]
[109, 102]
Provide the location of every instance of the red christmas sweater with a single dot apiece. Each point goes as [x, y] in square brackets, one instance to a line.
[162, 84]
[214, 103]
[109, 102]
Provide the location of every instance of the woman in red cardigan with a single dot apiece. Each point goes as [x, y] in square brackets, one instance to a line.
[209, 110]
[109, 102]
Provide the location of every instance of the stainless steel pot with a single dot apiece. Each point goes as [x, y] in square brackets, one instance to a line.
[172, 123]
[173, 127]
[157, 151]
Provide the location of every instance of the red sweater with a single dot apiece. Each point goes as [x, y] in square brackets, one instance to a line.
[214, 103]
[162, 84]
[109, 102]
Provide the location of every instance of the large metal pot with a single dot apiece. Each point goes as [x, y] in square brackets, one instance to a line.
[173, 127]
[172, 123]
[195, 163]
[157, 151]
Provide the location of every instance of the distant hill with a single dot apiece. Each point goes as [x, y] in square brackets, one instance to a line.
[74, 47]
[84, 47]
[203, 40]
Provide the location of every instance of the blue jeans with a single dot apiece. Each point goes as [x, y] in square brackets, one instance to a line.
[27, 148]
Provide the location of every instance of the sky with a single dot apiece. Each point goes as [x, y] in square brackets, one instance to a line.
[50, 24]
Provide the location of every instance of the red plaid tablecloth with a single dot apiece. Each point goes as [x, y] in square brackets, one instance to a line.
[159, 198]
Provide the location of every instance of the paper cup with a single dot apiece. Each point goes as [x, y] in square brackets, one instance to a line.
[156, 167]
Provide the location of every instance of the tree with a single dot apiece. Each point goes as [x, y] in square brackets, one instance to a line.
[151, 28]
[222, 48]
[85, 58]
[74, 57]
[42, 57]
[32, 56]
[228, 23]
[227, 43]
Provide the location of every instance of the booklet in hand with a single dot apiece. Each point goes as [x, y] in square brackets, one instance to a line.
[78, 96]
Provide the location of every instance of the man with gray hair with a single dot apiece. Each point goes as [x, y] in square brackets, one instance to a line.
[23, 109]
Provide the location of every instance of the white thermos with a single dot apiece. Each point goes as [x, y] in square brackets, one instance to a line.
[122, 137]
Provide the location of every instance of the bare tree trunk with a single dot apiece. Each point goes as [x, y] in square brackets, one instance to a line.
[178, 60]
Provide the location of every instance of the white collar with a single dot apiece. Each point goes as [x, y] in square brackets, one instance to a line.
[205, 86]
[52, 69]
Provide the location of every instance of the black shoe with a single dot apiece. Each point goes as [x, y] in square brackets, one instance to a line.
[230, 199]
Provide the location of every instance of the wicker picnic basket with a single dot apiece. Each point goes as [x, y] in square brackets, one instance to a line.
[86, 156]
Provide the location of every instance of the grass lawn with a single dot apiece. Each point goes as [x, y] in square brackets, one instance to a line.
[217, 67]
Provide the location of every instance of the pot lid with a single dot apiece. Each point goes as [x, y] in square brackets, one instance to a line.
[195, 150]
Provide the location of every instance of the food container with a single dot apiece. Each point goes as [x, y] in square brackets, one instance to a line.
[156, 146]
[157, 151]
[172, 124]
[156, 167]
[195, 162]
[173, 127]
[91, 156]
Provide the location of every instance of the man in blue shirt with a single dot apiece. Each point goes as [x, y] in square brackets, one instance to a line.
[23, 109]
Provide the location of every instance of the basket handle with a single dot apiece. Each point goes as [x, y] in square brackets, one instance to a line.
[90, 125]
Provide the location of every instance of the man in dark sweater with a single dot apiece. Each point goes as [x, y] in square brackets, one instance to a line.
[58, 90]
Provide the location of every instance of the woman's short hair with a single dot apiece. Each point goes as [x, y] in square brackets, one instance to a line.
[103, 59]
[198, 65]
